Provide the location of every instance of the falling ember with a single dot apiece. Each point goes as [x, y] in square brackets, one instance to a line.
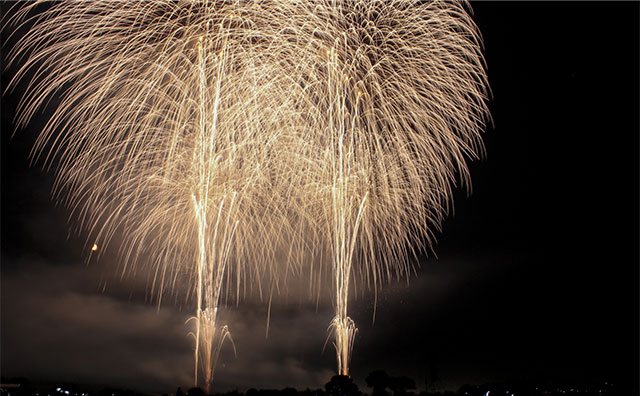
[94, 247]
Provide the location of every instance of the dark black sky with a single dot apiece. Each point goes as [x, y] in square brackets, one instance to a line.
[537, 271]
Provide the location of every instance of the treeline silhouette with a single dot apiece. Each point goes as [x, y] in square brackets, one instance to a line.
[378, 383]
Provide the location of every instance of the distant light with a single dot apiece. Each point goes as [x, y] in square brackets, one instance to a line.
[94, 247]
[67, 392]
[58, 389]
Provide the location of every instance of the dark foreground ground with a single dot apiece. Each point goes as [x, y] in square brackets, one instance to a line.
[378, 383]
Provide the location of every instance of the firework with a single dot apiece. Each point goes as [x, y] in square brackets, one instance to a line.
[171, 123]
[213, 134]
[396, 96]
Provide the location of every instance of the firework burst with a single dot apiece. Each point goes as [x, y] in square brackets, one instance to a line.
[211, 134]
[396, 93]
[171, 121]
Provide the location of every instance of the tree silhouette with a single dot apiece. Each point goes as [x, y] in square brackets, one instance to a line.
[379, 381]
[342, 385]
[400, 385]
[195, 392]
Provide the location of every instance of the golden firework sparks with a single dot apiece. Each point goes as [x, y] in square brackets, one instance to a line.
[173, 129]
[211, 134]
[396, 95]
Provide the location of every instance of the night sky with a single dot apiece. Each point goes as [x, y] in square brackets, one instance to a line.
[536, 275]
